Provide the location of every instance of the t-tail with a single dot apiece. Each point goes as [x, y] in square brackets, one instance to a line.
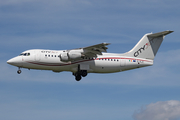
[148, 46]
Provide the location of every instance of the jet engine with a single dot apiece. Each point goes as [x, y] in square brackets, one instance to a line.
[74, 55]
[64, 57]
[71, 55]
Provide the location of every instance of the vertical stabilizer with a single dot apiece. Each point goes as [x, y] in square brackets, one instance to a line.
[148, 46]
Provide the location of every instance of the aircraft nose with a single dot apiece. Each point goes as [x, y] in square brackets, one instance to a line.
[9, 61]
[16, 61]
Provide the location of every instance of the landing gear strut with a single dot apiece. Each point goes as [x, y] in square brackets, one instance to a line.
[19, 71]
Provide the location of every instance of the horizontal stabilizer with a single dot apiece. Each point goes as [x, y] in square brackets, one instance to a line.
[159, 34]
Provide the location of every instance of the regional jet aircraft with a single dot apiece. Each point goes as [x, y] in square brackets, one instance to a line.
[92, 59]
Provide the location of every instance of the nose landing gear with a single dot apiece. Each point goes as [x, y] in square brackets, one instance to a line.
[19, 71]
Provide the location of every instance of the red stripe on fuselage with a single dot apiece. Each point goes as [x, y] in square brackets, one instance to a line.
[55, 64]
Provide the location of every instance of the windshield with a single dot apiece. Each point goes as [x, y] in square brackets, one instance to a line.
[24, 54]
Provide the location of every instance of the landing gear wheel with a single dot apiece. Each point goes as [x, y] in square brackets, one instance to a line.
[19, 71]
[84, 73]
[78, 77]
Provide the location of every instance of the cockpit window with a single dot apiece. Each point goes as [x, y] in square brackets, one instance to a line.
[24, 54]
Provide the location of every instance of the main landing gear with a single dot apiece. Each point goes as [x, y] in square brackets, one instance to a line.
[78, 75]
[19, 71]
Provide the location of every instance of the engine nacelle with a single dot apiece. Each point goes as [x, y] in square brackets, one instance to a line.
[71, 55]
[64, 57]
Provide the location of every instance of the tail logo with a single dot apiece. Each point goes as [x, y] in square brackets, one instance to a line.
[141, 49]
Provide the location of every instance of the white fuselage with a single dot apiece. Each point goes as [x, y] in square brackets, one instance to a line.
[91, 59]
[50, 60]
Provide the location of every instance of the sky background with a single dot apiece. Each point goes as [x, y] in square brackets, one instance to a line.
[151, 93]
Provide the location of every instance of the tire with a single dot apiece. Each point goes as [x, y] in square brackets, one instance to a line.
[78, 77]
[19, 71]
[84, 73]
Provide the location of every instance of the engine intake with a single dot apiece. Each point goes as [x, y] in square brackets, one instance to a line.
[64, 57]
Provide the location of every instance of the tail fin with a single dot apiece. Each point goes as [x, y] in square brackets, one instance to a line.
[148, 46]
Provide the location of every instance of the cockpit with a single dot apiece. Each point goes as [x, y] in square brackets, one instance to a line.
[24, 54]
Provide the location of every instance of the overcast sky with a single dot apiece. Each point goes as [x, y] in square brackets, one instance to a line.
[150, 93]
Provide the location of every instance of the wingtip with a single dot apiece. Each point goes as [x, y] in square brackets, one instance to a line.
[170, 31]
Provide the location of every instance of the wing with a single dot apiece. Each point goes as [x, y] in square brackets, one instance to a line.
[94, 50]
[76, 54]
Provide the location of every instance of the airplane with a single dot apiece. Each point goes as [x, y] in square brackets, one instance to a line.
[92, 59]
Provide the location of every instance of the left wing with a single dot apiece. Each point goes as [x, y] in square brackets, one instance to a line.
[94, 50]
